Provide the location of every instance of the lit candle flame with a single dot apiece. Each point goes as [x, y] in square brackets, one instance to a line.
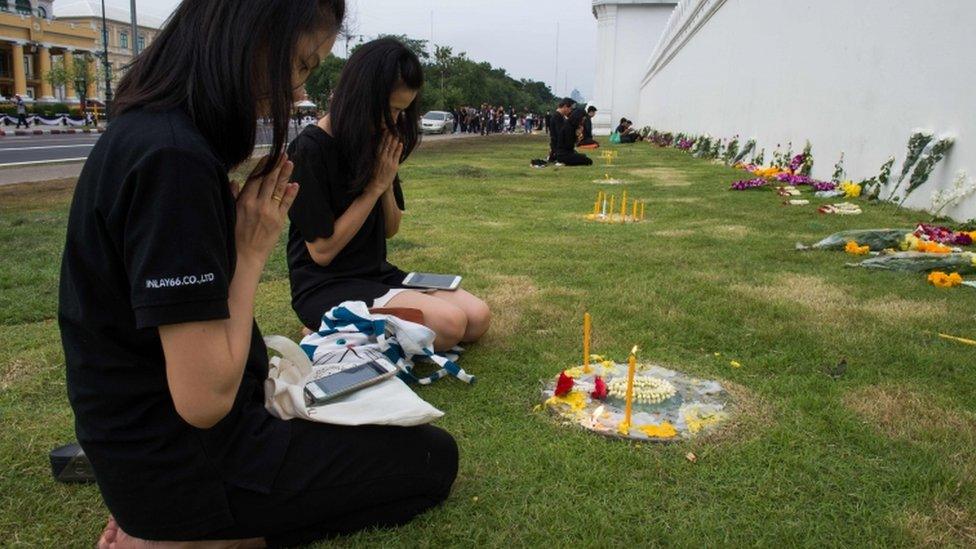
[635, 350]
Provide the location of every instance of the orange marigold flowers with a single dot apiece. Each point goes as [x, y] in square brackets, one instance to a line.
[854, 249]
[928, 247]
[943, 280]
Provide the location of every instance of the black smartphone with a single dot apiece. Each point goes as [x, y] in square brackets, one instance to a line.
[347, 381]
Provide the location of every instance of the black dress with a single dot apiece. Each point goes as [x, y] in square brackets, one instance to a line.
[360, 271]
[588, 140]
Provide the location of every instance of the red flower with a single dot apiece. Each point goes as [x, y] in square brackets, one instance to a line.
[564, 385]
[600, 391]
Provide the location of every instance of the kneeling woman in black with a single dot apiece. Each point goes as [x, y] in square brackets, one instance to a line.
[566, 141]
[165, 365]
[351, 201]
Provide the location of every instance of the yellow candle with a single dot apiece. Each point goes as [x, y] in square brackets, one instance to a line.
[623, 204]
[633, 216]
[631, 369]
[596, 205]
[612, 198]
[643, 210]
[586, 343]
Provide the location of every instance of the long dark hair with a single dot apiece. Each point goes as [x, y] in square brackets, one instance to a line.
[361, 105]
[214, 58]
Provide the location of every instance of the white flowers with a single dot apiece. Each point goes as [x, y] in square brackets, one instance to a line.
[945, 198]
[647, 390]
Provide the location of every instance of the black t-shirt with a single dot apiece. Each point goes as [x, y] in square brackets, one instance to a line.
[150, 243]
[323, 196]
[566, 138]
[555, 125]
[587, 128]
[621, 129]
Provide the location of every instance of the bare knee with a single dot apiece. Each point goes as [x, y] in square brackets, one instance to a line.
[450, 326]
[479, 319]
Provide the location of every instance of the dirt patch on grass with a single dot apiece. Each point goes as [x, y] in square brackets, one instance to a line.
[663, 177]
[731, 231]
[508, 298]
[947, 525]
[34, 196]
[11, 372]
[675, 233]
[828, 300]
[752, 415]
[494, 224]
[904, 414]
[907, 415]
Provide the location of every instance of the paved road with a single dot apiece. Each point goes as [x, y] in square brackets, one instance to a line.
[24, 150]
[25, 159]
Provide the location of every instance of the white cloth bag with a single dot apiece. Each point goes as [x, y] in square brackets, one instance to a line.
[390, 402]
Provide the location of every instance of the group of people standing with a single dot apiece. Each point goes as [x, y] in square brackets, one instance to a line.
[492, 119]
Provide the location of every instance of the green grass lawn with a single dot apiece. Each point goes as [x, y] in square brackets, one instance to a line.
[885, 456]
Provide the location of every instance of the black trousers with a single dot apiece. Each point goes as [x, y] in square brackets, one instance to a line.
[573, 159]
[22, 119]
[339, 480]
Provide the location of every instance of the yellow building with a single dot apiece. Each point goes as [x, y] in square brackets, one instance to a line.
[30, 40]
[121, 42]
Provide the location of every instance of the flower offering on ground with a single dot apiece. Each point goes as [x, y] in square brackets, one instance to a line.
[944, 235]
[853, 248]
[851, 189]
[943, 280]
[668, 406]
[747, 184]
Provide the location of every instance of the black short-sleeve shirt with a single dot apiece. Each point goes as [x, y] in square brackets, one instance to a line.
[151, 243]
[323, 196]
[555, 126]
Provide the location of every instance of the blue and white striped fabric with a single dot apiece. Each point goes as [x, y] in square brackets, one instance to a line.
[350, 333]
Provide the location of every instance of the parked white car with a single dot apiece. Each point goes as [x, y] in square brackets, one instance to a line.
[437, 122]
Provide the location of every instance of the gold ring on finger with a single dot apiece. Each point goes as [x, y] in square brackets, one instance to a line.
[276, 197]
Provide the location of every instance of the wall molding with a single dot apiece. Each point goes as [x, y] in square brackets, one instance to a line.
[686, 20]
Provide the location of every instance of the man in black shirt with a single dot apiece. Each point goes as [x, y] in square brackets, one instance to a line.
[556, 122]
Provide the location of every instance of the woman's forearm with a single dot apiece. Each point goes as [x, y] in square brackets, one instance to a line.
[324, 250]
[218, 347]
[391, 213]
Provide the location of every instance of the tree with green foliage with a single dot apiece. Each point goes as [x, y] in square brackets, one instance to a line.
[76, 77]
[453, 80]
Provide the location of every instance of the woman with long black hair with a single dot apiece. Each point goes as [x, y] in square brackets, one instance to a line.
[351, 200]
[165, 365]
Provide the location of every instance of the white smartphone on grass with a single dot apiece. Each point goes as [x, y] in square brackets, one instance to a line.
[432, 281]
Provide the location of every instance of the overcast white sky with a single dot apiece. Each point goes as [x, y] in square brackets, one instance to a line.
[518, 35]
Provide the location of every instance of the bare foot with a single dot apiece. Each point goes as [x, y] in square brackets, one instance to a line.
[306, 331]
[114, 537]
[109, 535]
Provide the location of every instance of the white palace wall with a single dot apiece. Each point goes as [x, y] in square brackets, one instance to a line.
[624, 28]
[852, 76]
